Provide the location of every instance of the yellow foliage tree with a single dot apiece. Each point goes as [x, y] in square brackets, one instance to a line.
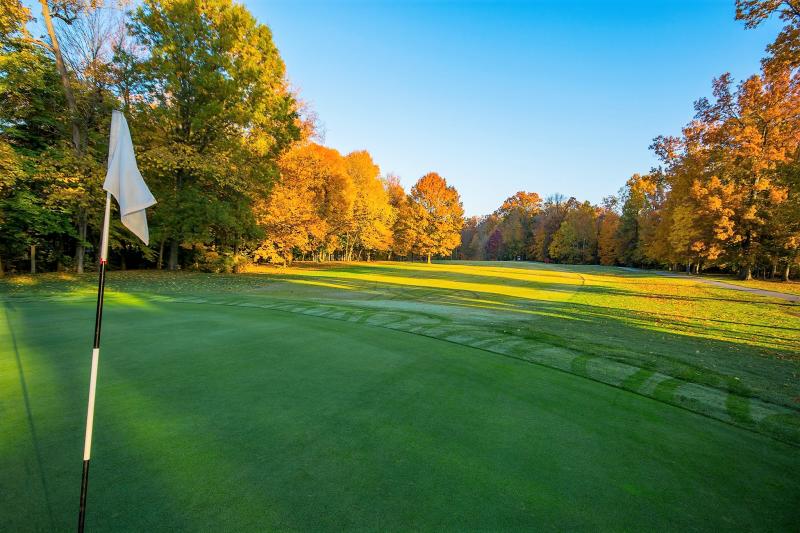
[373, 215]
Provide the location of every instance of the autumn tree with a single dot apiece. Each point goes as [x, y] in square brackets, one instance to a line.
[608, 225]
[494, 245]
[402, 232]
[784, 226]
[641, 198]
[436, 215]
[724, 167]
[475, 236]
[290, 223]
[545, 225]
[373, 215]
[516, 216]
[784, 52]
[310, 208]
[467, 248]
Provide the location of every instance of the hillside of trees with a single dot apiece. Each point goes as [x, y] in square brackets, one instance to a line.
[232, 155]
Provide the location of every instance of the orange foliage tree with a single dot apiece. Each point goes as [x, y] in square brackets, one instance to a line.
[724, 171]
[435, 216]
[608, 225]
[310, 207]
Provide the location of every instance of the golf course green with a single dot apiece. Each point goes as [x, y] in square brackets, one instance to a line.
[401, 396]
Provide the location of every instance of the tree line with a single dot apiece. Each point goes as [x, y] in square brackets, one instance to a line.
[232, 155]
[222, 140]
[726, 196]
[326, 206]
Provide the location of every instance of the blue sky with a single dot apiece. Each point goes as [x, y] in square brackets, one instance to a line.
[545, 96]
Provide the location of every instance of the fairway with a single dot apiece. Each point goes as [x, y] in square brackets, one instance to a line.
[398, 396]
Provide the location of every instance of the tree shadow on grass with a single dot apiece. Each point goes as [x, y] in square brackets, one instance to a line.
[57, 338]
[29, 415]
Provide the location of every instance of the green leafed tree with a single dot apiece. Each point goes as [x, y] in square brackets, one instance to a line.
[576, 238]
[213, 115]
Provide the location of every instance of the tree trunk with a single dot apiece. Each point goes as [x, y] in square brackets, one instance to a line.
[429, 259]
[2, 272]
[786, 271]
[173, 255]
[688, 268]
[59, 253]
[74, 120]
[62, 72]
[746, 273]
[80, 250]
[33, 259]
[160, 262]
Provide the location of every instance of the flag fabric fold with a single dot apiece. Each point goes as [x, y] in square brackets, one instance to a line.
[124, 181]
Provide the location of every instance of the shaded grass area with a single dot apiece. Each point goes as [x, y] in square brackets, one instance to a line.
[223, 417]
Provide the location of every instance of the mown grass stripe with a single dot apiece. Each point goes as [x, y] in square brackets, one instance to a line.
[635, 380]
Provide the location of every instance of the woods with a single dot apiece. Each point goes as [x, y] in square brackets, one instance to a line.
[231, 154]
[221, 139]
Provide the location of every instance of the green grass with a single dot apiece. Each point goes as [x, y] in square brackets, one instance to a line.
[400, 396]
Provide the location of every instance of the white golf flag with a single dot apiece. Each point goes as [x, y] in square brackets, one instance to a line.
[124, 181]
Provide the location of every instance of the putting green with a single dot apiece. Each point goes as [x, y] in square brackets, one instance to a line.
[231, 418]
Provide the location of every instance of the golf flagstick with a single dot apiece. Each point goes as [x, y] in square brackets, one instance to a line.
[125, 183]
[98, 319]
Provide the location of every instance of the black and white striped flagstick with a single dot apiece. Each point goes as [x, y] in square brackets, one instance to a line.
[87, 443]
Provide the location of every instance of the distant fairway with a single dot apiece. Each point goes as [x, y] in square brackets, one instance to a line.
[397, 396]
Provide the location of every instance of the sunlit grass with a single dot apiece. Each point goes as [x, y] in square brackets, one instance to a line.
[321, 284]
[486, 270]
[443, 283]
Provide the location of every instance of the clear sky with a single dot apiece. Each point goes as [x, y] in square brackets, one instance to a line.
[545, 96]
